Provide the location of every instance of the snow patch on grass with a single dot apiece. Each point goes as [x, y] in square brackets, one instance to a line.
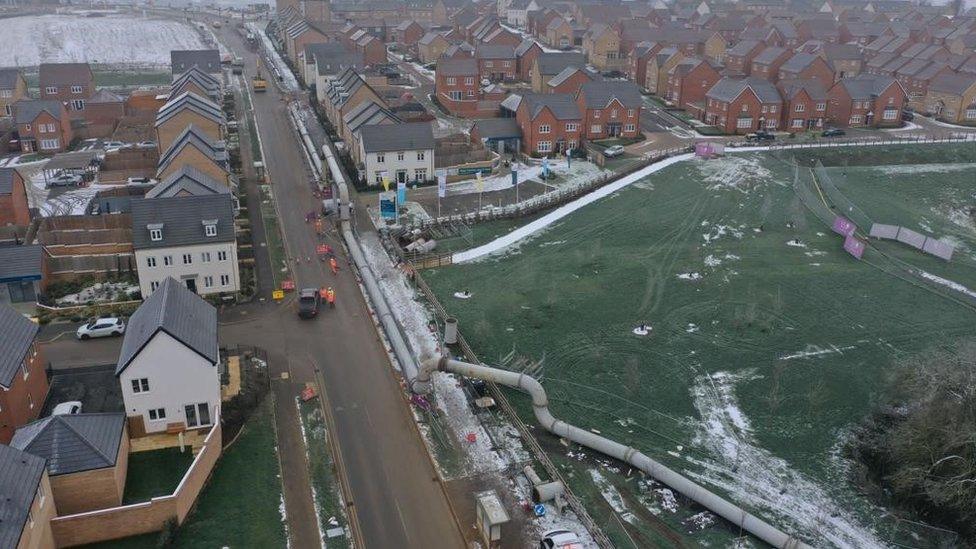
[913, 169]
[735, 173]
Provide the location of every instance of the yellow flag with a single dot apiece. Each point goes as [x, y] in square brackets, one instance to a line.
[386, 183]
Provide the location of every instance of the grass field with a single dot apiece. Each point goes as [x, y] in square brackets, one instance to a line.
[154, 474]
[769, 342]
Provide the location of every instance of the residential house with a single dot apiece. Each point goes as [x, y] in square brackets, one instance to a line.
[766, 65]
[402, 153]
[501, 37]
[952, 98]
[639, 57]
[22, 375]
[431, 46]
[408, 33]
[743, 105]
[501, 135]
[301, 33]
[804, 66]
[609, 108]
[13, 88]
[845, 59]
[207, 61]
[659, 67]
[70, 83]
[28, 505]
[14, 209]
[550, 123]
[525, 55]
[738, 58]
[103, 111]
[496, 63]
[184, 110]
[328, 65]
[601, 44]
[915, 77]
[43, 126]
[547, 65]
[372, 49]
[688, 81]
[168, 363]
[345, 93]
[867, 100]
[367, 113]
[457, 85]
[804, 104]
[559, 33]
[702, 43]
[193, 147]
[197, 81]
[87, 458]
[570, 80]
[517, 13]
[187, 181]
[189, 238]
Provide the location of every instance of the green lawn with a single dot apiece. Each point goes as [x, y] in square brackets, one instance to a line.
[272, 235]
[328, 503]
[120, 78]
[156, 473]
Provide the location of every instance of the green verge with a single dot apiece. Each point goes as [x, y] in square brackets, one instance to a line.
[322, 470]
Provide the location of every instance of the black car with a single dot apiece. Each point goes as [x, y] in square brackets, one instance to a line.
[761, 135]
[908, 116]
[309, 301]
[833, 132]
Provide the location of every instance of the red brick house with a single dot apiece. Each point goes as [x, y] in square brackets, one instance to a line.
[496, 62]
[743, 105]
[69, 83]
[689, 81]
[639, 57]
[866, 100]
[804, 104]
[550, 123]
[101, 115]
[372, 49]
[502, 37]
[804, 66]
[569, 80]
[609, 108]
[456, 85]
[408, 33]
[766, 65]
[738, 59]
[525, 55]
[22, 378]
[43, 126]
[14, 209]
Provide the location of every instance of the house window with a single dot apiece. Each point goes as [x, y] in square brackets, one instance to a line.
[210, 230]
[225, 280]
[468, 80]
[630, 113]
[596, 128]
[455, 95]
[856, 119]
[596, 114]
[771, 124]
[187, 259]
[208, 282]
[140, 385]
[150, 261]
[197, 414]
[205, 257]
[420, 174]
[821, 106]
[744, 123]
[6, 93]
[572, 126]
[890, 114]
[420, 155]
[155, 235]
[78, 104]
[157, 414]
[571, 144]
[745, 107]
[629, 127]
[75, 89]
[451, 81]
[772, 109]
[50, 144]
[507, 64]
[800, 107]
[400, 156]
[378, 177]
[222, 256]
[153, 285]
[797, 123]
[765, 109]
[167, 260]
[51, 90]
[971, 113]
[27, 127]
[380, 158]
[489, 64]
[544, 146]
[545, 128]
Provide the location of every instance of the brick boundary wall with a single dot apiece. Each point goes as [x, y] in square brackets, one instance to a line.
[146, 517]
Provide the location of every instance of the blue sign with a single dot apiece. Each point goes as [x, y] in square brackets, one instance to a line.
[388, 208]
[514, 178]
[401, 192]
[540, 510]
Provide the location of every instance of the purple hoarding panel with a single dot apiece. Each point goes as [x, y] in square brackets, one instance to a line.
[844, 226]
[889, 232]
[910, 237]
[938, 248]
[854, 246]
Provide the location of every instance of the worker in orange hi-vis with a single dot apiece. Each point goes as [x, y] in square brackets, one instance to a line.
[330, 297]
[333, 265]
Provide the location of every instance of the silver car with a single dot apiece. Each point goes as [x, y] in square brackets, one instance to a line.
[64, 180]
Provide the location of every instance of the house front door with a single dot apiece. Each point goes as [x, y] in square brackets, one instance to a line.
[401, 176]
[613, 129]
[191, 284]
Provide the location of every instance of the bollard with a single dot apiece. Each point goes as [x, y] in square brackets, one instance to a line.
[451, 331]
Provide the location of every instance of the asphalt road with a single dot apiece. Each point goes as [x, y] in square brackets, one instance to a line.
[395, 491]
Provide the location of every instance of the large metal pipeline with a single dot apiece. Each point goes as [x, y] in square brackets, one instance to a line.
[540, 405]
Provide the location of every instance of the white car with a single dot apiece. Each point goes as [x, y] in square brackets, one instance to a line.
[110, 146]
[146, 145]
[615, 150]
[64, 180]
[67, 408]
[560, 539]
[101, 327]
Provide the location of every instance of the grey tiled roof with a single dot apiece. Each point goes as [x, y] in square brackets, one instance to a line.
[8, 78]
[866, 86]
[497, 128]
[495, 51]
[17, 334]
[20, 474]
[25, 111]
[189, 100]
[368, 113]
[182, 60]
[182, 218]
[193, 136]
[743, 47]
[18, 262]
[812, 86]
[727, 89]
[555, 62]
[64, 74]
[798, 62]
[768, 55]
[187, 181]
[564, 74]
[73, 443]
[7, 180]
[400, 137]
[465, 66]
[562, 105]
[952, 83]
[511, 102]
[173, 309]
[524, 46]
[201, 79]
[598, 94]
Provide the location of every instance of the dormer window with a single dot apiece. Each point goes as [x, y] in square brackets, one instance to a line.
[210, 227]
[155, 232]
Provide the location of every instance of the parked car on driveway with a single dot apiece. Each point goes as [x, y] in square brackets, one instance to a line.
[833, 132]
[64, 180]
[67, 408]
[309, 301]
[101, 327]
[908, 116]
[560, 539]
[614, 150]
[110, 146]
[761, 135]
